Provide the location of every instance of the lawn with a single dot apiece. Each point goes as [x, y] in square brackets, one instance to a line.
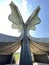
[17, 57]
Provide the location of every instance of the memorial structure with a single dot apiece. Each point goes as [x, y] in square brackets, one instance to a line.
[38, 46]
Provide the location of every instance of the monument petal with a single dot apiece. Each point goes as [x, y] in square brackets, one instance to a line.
[33, 19]
[15, 17]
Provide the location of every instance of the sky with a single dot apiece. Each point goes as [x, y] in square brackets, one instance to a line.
[26, 7]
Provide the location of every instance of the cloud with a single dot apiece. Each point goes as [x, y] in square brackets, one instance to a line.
[24, 5]
[5, 24]
[24, 9]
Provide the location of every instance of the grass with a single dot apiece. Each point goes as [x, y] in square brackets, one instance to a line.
[16, 55]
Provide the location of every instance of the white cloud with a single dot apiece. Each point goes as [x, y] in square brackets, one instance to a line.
[24, 9]
[5, 24]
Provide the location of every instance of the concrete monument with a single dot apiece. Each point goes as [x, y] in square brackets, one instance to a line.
[38, 46]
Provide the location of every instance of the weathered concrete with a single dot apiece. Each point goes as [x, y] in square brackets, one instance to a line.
[25, 58]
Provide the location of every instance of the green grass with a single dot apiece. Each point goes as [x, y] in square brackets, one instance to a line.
[17, 56]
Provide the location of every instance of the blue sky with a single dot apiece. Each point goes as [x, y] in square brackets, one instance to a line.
[42, 30]
[26, 7]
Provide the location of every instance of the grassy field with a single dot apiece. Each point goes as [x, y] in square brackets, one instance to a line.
[17, 57]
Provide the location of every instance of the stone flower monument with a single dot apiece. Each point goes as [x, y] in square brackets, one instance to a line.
[38, 46]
